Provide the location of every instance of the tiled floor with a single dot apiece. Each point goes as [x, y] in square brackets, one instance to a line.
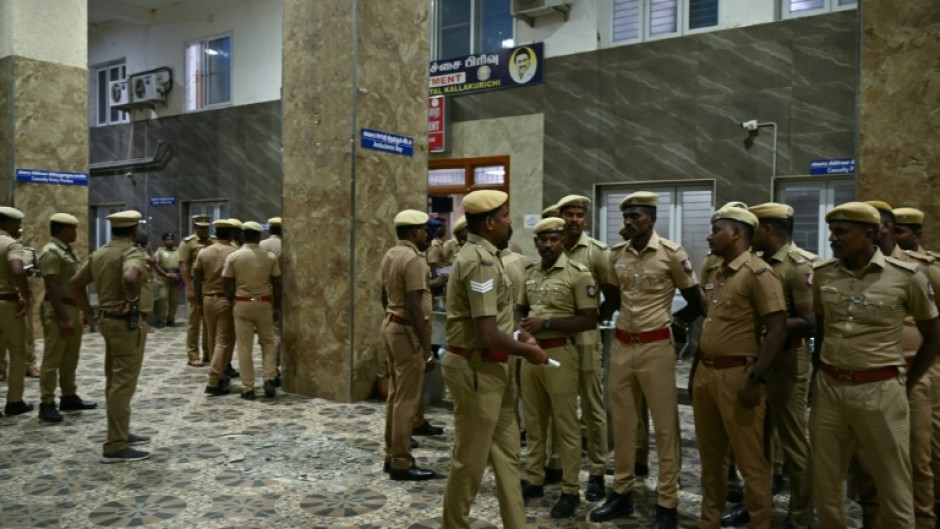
[225, 463]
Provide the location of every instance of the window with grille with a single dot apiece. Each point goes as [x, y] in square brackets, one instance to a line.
[810, 200]
[209, 73]
[102, 97]
[795, 8]
[464, 27]
[639, 20]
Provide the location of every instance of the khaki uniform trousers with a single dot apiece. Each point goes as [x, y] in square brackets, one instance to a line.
[194, 326]
[124, 356]
[13, 331]
[719, 420]
[934, 375]
[485, 429]
[220, 332]
[593, 413]
[552, 393]
[406, 377]
[169, 299]
[251, 315]
[638, 371]
[874, 417]
[787, 393]
[59, 354]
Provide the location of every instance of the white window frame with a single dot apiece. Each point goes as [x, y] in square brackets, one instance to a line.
[829, 6]
[231, 88]
[682, 23]
[216, 209]
[435, 27]
[123, 116]
[827, 201]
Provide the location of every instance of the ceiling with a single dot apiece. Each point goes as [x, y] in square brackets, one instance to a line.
[132, 11]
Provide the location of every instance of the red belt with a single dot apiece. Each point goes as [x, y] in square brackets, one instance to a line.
[487, 355]
[66, 301]
[799, 342]
[9, 297]
[266, 299]
[860, 377]
[724, 362]
[395, 318]
[642, 337]
[551, 343]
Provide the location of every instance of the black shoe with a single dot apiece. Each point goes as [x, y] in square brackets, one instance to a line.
[277, 380]
[413, 444]
[218, 391]
[386, 467]
[48, 413]
[411, 474]
[736, 516]
[137, 440]
[269, 390]
[161, 324]
[566, 506]
[552, 476]
[17, 408]
[427, 429]
[595, 489]
[640, 470]
[777, 485]
[531, 491]
[616, 505]
[170, 323]
[248, 395]
[230, 371]
[609, 469]
[666, 518]
[124, 455]
[75, 403]
[733, 474]
[206, 361]
[735, 494]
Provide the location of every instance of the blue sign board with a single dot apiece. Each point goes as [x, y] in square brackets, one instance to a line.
[506, 68]
[844, 166]
[40, 176]
[386, 141]
[163, 201]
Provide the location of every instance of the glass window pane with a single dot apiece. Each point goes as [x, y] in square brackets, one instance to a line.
[219, 55]
[194, 76]
[489, 175]
[696, 223]
[805, 199]
[454, 12]
[847, 3]
[103, 92]
[703, 13]
[447, 177]
[494, 25]
[454, 42]
[626, 20]
[842, 192]
[805, 5]
[663, 19]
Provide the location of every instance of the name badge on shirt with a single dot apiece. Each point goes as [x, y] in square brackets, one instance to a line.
[709, 286]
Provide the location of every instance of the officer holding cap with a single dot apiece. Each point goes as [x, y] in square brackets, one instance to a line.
[480, 337]
[118, 269]
[215, 306]
[189, 249]
[564, 292]
[743, 298]
[251, 278]
[15, 301]
[407, 300]
[61, 321]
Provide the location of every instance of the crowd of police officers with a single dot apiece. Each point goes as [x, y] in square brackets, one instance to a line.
[857, 335]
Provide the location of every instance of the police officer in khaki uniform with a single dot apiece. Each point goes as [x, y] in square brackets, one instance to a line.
[273, 244]
[559, 300]
[61, 321]
[15, 301]
[743, 297]
[166, 266]
[252, 281]
[215, 306]
[188, 251]
[406, 297]
[454, 243]
[480, 340]
[861, 298]
[596, 256]
[118, 269]
[646, 271]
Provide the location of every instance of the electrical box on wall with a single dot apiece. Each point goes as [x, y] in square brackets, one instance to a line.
[142, 90]
[529, 10]
[119, 93]
[149, 87]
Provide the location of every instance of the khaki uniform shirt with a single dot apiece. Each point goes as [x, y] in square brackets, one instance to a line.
[169, 260]
[273, 245]
[252, 268]
[558, 292]
[210, 261]
[911, 339]
[10, 250]
[190, 248]
[596, 256]
[648, 280]
[796, 275]
[58, 259]
[478, 287]
[516, 265]
[436, 253]
[450, 251]
[106, 269]
[404, 270]
[864, 314]
[737, 296]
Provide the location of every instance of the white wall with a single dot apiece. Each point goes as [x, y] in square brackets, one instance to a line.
[46, 30]
[256, 27]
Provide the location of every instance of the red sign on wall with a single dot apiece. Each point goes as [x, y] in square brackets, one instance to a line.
[436, 124]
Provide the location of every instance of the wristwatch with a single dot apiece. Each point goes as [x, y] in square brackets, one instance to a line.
[546, 324]
[756, 378]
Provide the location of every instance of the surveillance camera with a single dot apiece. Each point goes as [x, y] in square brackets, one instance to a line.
[749, 125]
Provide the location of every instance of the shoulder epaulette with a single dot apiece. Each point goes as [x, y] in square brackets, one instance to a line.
[213, 238]
[827, 262]
[619, 245]
[759, 266]
[599, 244]
[797, 257]
[906, 265]
[486, 259]
[189, 237]
[672, 245]
[921, 256]
[809, 256]
[579, 266]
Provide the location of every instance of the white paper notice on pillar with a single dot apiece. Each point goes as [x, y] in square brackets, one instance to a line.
[44, 176]
[377, 140]
[529, 221]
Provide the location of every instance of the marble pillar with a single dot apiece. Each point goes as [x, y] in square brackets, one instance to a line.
[44, 114]
[898, 155]
[348, 65]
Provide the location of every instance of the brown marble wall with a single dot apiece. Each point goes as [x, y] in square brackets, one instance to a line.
[339, 198]
[899, 156]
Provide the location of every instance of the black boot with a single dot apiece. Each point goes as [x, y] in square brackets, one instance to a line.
[48, 413]
[617, 505]
[566, 506]
[595, 489]
[666, 518]
[75, 403]
[552, 476]
[531, 491]
[737, 516]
